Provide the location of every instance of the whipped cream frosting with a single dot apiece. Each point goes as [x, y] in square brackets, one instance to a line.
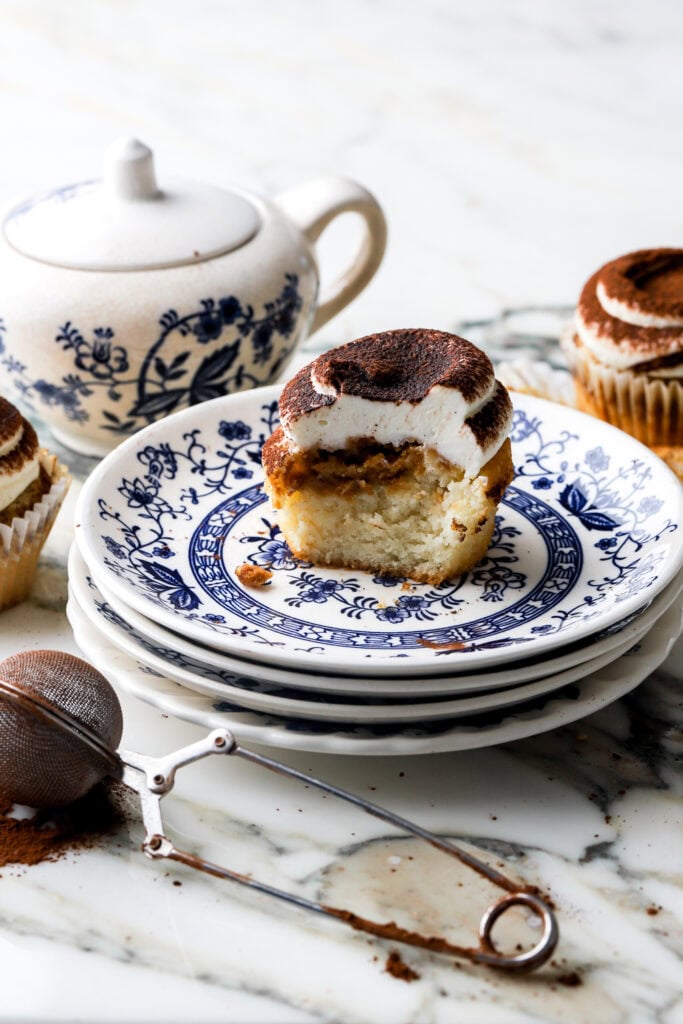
[630, 314]
[19, 454]
[420, 386]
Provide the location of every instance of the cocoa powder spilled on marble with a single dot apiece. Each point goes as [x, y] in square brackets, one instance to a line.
[394, 932]
[397, 968]
[50, 834]
[571, 980]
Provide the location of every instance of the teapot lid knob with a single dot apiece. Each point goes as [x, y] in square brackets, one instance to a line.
[126, 222]
[129, 170]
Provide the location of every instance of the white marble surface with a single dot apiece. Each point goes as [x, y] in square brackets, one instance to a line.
[514, 146]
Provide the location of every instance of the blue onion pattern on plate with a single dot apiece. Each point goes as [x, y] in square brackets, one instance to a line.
[586, 535]
[475, 731]
[266, 696]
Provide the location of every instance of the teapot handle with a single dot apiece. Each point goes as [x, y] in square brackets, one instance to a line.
[312, 206]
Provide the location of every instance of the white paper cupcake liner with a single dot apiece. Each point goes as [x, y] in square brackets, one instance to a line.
[531, 377]
[648, 409]
[21, 543]
[651, 411]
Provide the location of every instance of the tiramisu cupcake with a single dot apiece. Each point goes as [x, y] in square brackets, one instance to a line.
[626, 348]
[32, 488]
[392, 456]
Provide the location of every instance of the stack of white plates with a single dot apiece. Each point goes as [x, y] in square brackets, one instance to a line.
[576, 602]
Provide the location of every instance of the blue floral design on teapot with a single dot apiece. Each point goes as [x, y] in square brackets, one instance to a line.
[164, 385]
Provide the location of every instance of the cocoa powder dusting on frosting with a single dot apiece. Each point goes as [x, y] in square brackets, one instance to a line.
[299, 396]
[275, 452]
[393, 366]
[650, 281]
[658, 341]
[403, 366]
[489, 422]
[422, 387]
[10, 421]
[25, 451]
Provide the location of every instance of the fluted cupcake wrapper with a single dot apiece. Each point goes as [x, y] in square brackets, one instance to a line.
[650, 410]
[22, 542]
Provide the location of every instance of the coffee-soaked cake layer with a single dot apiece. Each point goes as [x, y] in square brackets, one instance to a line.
[401, 512]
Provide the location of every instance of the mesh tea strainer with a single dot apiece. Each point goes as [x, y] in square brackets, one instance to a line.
[60, 726]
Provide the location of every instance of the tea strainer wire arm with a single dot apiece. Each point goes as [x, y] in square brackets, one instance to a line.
[152, 778]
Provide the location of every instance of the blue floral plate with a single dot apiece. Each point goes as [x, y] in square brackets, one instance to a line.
[265, 696]
[483, 729]
[173, 647]
[587, 534]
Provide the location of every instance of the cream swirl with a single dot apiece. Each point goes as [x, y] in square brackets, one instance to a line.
[630, 314]
[19, 454]
[400, 387]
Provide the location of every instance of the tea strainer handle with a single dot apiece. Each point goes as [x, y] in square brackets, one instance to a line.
[151, 778]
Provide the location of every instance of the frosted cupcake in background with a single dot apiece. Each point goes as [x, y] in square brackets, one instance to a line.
[32, 487]
[625, 350]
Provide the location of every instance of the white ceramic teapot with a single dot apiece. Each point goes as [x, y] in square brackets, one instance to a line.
[121, 301]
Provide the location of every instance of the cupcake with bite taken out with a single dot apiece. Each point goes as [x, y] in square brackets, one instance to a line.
[32, 487]
[392, 456]
[626, 348]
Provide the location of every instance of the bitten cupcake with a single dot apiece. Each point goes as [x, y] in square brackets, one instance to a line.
[626, 348]
[32, 487]
[392, 456]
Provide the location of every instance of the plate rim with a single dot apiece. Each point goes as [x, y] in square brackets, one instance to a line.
[380, 666]
[429, 686]
[415, 711]
[563, 714]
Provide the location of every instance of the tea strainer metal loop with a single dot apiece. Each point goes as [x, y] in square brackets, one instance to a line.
[53, 733]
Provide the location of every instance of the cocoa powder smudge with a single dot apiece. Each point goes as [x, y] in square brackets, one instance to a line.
[399, 969]
[392, 931]
[51, 834]
[571, 980]
[455, 645]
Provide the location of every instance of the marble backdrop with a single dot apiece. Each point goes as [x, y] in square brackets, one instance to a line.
[514, 146]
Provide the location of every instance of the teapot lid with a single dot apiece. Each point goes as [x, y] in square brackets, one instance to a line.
[126, 222]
